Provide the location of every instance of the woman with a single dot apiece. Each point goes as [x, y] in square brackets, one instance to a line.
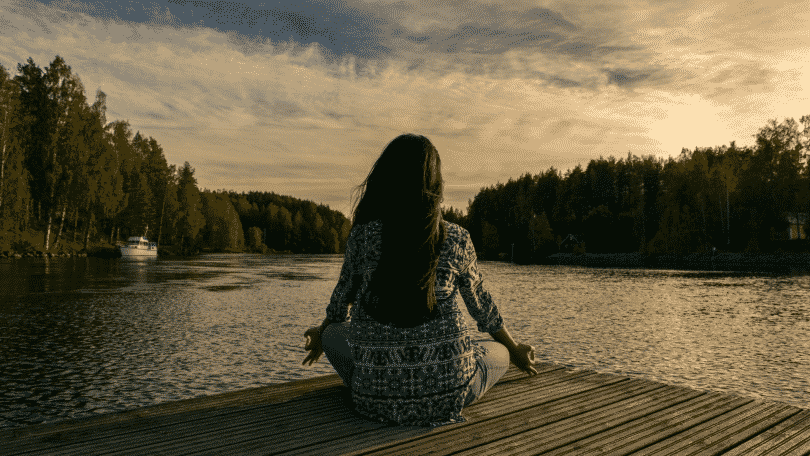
[394, 331]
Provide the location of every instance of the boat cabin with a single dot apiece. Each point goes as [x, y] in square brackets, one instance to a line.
[137, 241]
[140, 242]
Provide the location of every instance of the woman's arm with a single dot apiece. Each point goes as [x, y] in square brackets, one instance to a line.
[482, 308]
[505, 338]
[348, 283]
[338, 307]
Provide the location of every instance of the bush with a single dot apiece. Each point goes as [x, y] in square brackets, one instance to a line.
[22, 245]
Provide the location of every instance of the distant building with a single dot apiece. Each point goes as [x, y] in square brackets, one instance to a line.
[572, 244]
[797, 224]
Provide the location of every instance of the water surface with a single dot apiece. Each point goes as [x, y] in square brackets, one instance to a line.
[83, 336]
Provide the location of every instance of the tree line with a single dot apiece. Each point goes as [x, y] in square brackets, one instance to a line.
[281, 223]
[68, 176]
[725, 198]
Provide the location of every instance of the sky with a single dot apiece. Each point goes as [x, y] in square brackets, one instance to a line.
[300, 97]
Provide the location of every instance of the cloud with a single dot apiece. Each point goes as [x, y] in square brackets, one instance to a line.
[625, 77]
[338, 27]
[501, 88]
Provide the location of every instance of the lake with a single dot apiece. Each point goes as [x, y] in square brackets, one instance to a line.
[83, 336]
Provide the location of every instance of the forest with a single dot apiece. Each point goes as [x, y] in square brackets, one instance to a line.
[71, 180]
[752, 199]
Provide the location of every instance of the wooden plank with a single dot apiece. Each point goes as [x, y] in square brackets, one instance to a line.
[157, 418]
[515, 381]
[587, 386]
[649, 429]
[153, 430]
[328, 431]
[261, 395]
[788, 438]
[514, 374]
[724, 431]
[175, 419]
[549, 436]
[209, 430]
[550, 388]
[561, 411]
[247, 439]
[184, 411]
[202, 431]
[291, 437]
[539, 411]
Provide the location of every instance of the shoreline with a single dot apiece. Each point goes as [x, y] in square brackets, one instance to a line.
[166, 252]
[110, 251]
[748, 262]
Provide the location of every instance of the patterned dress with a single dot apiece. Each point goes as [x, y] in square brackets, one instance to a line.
[419, 375]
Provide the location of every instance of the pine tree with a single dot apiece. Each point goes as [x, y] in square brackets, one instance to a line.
[191, 219]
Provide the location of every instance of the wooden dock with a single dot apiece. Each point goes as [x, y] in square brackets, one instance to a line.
[559, 411]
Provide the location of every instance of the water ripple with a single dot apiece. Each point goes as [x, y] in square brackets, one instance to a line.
[80, 337]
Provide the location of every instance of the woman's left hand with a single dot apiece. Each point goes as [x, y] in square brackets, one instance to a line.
[313, 344]
[522, 356]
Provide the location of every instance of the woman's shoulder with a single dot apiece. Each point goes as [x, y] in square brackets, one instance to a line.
[455, 230]
[373, 224]
[365, 229]
[457, 248]
[456, 235]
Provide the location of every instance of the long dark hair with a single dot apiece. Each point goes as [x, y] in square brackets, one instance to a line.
[404, 191]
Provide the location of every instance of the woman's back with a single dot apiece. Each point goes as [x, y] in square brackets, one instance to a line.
[416, 375]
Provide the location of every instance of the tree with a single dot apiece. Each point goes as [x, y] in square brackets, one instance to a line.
[170, 207]
[190, 218]
[14, 180]
[545, 194]
[602, 184]
[254, 239]
[785, 143]
[282, 232]
[157, 172]
[453, 215]
[76, 139]
[345, 230]
[223, 230]
[598, 230]
[570, 205]
[64, 151]
[490, 241]
[35, 110]
[541, 237]
[332, 240]
[297, 236]
[106, 177]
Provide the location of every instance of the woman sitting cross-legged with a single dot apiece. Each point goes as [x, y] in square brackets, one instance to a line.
[394, 330]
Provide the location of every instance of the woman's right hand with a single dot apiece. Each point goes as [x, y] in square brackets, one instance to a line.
[522, 356]
[313, 344]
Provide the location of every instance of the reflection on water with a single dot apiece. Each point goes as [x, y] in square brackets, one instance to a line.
[740, 333]
[81, 336]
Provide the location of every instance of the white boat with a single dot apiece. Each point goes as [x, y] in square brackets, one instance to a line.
[139, 246]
